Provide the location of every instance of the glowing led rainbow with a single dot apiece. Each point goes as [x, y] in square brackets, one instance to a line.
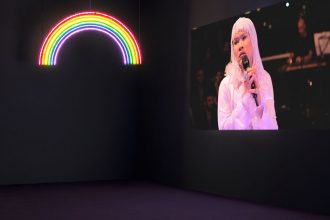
[90, 21]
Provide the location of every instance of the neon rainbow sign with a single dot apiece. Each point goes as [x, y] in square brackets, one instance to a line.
[90, 21]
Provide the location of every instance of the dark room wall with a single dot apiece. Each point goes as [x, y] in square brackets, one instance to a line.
[73, 122]
[163, 88]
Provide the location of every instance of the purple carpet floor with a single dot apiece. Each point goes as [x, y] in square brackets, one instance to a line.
[129, 200]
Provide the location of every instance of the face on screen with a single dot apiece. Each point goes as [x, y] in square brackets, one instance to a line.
[242, 46]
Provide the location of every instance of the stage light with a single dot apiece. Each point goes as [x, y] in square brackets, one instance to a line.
[287, 4]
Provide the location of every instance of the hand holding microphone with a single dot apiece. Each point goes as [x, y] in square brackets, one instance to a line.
[251, 75]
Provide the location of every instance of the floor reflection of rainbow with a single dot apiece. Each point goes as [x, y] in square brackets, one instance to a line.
[90, 21]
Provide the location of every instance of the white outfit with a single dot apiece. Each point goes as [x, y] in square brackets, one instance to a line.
[235, 110]
[239, 112]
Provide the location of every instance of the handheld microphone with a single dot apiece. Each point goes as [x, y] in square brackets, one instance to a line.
[246, 64]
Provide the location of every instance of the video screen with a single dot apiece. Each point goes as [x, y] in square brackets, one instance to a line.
[266, 69]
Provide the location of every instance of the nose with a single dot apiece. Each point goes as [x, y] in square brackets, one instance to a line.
[241, 47]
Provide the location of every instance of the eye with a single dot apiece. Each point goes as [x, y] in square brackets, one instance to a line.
[244, 37]
[235, 42]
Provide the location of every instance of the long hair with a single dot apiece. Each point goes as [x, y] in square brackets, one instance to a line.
[246, 25]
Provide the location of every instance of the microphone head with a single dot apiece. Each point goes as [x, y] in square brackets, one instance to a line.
[245, 62]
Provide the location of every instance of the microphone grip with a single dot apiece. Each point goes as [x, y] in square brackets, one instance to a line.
[253, 86]
[246, 64]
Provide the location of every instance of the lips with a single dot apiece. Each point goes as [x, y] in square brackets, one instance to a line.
[241, 54]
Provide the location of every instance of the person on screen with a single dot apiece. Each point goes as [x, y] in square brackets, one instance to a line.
[215, 82]
[237, 108]
[303, 48]
[211, 111]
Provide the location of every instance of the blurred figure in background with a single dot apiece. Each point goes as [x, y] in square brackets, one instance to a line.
[303, 51]
[206, 117]
[216, 80]
[211, 111]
